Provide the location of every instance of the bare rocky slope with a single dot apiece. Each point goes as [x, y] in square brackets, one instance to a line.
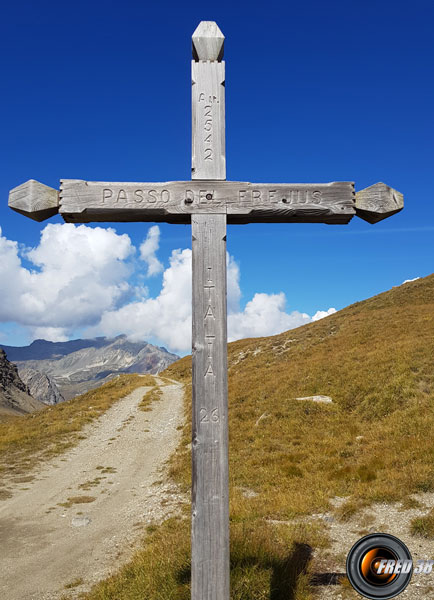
[80, 365]
[40, 386]
[14, 394]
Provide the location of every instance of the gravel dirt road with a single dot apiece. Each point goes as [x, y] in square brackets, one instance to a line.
[119, 468]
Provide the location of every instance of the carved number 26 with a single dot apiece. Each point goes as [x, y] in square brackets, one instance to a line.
[206, 416]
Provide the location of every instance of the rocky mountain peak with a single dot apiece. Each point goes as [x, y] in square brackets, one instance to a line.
[9, 377]
[41, 386]
[14, 394]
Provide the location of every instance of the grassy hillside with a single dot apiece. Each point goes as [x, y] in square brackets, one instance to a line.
[288, 457]
[375, 360]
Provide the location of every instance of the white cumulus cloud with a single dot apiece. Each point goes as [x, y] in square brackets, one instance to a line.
[148, 250]
[79, 279]
[264, 315]
[77, 273]
[233, 284]
[320, 314]
[167, 317]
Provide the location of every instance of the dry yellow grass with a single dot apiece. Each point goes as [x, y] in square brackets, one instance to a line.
[266, 563]
[77, 500]
[424, 526]
[151, 396]
[373, 443]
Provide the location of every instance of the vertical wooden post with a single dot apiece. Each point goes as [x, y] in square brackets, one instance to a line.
[210, 487]
[208, 160]
[210, 496]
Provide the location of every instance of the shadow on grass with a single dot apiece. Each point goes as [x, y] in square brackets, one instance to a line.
[284, 571]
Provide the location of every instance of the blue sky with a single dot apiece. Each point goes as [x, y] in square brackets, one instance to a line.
[315, 92]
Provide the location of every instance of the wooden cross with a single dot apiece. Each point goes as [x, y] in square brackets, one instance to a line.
[208, 201]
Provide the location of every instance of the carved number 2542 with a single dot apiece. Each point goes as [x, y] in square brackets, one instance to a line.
[207, 416]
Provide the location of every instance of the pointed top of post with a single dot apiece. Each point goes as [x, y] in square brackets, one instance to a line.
[208, 41]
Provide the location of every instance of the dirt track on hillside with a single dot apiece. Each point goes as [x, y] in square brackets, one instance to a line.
[46, 546]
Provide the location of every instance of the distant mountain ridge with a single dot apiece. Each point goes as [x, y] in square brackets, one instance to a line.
[43, 349]
[79, 365]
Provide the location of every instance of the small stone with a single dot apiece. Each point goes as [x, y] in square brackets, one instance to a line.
[329, 519]
[324, 399]
[80, 521]
[247, 493]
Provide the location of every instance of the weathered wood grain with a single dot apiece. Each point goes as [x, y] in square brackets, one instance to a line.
[34, 200]
[210, 476]
[175, 201]
[208, 159]
[208, 41]
[210, 495]
[377, 202]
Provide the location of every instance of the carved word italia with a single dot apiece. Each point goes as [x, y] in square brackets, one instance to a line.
[209, 321]
[211, 197]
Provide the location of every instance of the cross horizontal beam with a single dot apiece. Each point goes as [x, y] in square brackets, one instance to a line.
[176, 201]
[82, 201]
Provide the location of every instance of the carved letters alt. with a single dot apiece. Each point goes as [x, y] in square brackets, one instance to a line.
[208, 123]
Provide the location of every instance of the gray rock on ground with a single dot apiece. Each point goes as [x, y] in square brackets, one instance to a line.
[324, 399]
